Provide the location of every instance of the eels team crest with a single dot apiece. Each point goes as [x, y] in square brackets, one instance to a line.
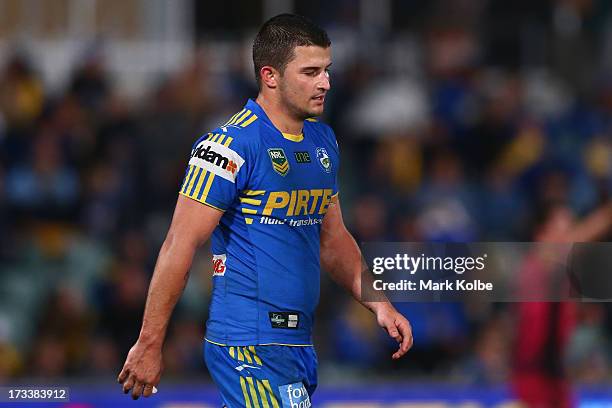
[280, 164]
[323, 159]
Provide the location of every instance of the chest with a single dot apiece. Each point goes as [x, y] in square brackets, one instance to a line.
[286, 166]
[293, 179]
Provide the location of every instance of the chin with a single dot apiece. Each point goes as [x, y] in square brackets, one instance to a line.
[315, 112]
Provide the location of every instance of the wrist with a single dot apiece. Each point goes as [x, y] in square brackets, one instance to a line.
[151, 340]
[380, 307]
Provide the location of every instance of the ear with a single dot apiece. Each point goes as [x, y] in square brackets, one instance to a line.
[269, 76]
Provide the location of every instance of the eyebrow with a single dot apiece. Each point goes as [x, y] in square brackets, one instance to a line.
[315, 68]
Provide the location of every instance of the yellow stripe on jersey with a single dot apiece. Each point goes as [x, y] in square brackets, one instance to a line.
[198, 188]
[262, 394]
[249, 121]
[255, 356]
[266, 384]
[247, 400]
[219, 138]
[250, 201]
[241, 118]
[294, 138]
[240, 114]
[187, 178]
[197, 171]
[196, 196]
[254, 192]
[236, 116]
[207, 187]
[230, 119]
[232, 353]
[210, 205]
[253, 392]
[248, 211]
[211, 176]
[194, 186]
[312, 119]
[240, 355]
[198, 181]
[248, 220]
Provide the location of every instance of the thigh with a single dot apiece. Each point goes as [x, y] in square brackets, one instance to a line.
[263, 376]
[292, 373]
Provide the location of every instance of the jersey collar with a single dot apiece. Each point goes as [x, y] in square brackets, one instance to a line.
[258, 110]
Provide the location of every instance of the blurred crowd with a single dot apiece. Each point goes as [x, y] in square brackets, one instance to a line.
[460, 131]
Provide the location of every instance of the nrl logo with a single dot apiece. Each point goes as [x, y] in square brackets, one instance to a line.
[280, 164]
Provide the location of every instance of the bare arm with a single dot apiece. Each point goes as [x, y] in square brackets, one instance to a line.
[341, 258]
[192, 224]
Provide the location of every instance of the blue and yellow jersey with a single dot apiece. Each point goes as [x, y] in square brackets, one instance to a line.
[274, 190]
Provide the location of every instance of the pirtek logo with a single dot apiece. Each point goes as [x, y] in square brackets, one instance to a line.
[298, 202]
[209, 155]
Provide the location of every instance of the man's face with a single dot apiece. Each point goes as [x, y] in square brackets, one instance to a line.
[305, 82]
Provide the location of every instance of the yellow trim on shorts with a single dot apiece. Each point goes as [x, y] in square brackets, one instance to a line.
[262, 344]
[254, 395]
[262, 394]
[267, 386]
[245, 394]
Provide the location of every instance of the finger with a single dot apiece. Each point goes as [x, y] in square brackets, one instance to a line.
[148, 390]
[123, 375]
[407, 336]
[401, 350]
[128, 384]
[392, 330]
[399, 353]
[137, 390]
[407, 339]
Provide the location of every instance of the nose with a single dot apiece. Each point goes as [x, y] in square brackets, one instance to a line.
[324, 84]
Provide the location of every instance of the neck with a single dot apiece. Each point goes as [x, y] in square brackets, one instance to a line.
[279, 114]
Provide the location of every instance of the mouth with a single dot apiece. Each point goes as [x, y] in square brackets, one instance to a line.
[319, 98]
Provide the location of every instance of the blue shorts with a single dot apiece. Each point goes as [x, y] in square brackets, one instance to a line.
[263, 376]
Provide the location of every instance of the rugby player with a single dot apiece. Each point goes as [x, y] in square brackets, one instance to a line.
[264, 185]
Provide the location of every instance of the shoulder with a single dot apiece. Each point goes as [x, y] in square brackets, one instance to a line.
[323, 129]
[320, 127]
[240, 132]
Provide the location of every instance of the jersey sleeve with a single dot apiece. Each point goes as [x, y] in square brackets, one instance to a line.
[217, 171]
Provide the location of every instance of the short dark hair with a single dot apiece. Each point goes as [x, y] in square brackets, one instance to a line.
[277, 38]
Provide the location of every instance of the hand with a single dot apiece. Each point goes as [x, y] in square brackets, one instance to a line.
[397, 327]
[142, 370]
